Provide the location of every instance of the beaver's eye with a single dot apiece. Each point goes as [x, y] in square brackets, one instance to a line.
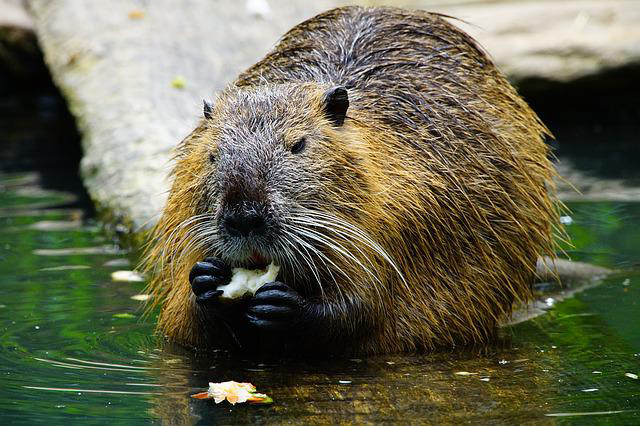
[213, 156]
[299, 146]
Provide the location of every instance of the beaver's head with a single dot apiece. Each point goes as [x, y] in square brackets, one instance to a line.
[277, 166]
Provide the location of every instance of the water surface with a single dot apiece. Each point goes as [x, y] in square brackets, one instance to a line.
[65, 356]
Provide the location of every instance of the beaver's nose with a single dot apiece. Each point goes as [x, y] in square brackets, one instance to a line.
[244, 220]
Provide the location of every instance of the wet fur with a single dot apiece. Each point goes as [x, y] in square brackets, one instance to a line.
[439, 161]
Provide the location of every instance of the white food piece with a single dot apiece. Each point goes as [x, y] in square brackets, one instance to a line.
[245, 281]
[127, 276]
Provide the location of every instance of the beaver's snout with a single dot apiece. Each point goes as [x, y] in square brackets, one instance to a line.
[244, 219]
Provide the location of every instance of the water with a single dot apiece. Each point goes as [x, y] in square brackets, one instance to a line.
[68, 354]
[64, 356]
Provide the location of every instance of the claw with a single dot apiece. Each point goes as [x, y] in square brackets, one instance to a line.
[208, 296]
[270, 311]
[210, 267]
[275, 307]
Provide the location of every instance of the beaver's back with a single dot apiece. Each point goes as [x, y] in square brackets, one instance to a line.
[409, 71]
[361, 48]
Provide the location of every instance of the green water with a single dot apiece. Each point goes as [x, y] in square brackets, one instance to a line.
[64, 357]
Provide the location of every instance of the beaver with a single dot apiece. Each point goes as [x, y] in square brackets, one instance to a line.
[384, 162]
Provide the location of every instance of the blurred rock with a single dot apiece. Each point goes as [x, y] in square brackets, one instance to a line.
[552, 40]
[135, 72]
[134, 75]
[13, 14]
[578, 185]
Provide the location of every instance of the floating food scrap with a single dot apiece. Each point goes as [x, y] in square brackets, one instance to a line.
[566, 220]
[631, 376]
[127, 276]
[141, 297]
[233, 392]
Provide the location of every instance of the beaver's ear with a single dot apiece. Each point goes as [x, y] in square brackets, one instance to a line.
[208, 109]
[336, 103]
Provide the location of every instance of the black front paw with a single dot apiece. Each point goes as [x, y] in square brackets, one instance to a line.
[275, 307]
[206, 276]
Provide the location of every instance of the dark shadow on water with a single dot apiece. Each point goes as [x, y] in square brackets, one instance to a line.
[607, 99]
[40, 140]
[595, 119]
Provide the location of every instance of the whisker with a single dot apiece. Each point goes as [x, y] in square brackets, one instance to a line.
[293, 265]
[169, 242]
[309, 261]
[346, 237]
[342, 250]
[336, 246]
[353, 231]
[323, 258]
[192, 239]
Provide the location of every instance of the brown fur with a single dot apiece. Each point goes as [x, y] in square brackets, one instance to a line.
[439, 161]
